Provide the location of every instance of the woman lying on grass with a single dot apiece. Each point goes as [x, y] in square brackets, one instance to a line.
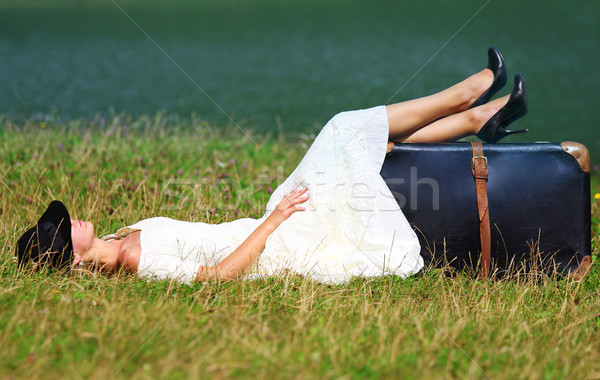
[333, 218]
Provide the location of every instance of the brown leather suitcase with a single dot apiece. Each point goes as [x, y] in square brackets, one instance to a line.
[538, 196]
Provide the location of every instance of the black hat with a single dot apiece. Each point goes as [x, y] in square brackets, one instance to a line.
[49, 241]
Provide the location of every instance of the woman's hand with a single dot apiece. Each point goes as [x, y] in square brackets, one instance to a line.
[242, 258]
[288, 206]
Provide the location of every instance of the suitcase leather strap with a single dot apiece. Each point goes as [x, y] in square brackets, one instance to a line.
[479, 168]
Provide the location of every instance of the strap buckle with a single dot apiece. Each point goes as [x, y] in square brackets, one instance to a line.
[478, 158]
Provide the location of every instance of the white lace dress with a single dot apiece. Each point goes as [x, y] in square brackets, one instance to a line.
[352, 225]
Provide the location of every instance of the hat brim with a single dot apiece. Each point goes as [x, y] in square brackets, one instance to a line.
[49, 242]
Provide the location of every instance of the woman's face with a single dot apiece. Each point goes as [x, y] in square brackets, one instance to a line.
[82, 234]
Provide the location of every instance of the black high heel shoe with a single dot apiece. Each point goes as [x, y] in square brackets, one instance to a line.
[496, 64]
[516, 107]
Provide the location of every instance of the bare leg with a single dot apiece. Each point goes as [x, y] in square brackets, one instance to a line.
[407, 117]
[456, 126]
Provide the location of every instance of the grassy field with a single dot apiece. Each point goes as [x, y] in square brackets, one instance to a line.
[120, 170]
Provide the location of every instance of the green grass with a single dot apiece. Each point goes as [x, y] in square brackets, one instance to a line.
[115, 172]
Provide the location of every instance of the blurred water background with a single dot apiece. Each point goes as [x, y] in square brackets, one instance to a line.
[293, 64]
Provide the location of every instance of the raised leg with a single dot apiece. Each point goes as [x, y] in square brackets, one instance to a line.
[407, 117]
[456, 126]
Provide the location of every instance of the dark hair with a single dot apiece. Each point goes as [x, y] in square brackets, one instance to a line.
[48, 243]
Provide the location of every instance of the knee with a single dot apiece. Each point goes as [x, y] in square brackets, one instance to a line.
[341, 117]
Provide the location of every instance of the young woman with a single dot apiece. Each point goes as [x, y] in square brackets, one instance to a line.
[333, 218]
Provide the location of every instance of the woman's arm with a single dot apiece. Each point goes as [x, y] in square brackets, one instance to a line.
[242, 258]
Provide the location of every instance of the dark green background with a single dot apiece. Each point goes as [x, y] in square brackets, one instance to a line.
[295, 63]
